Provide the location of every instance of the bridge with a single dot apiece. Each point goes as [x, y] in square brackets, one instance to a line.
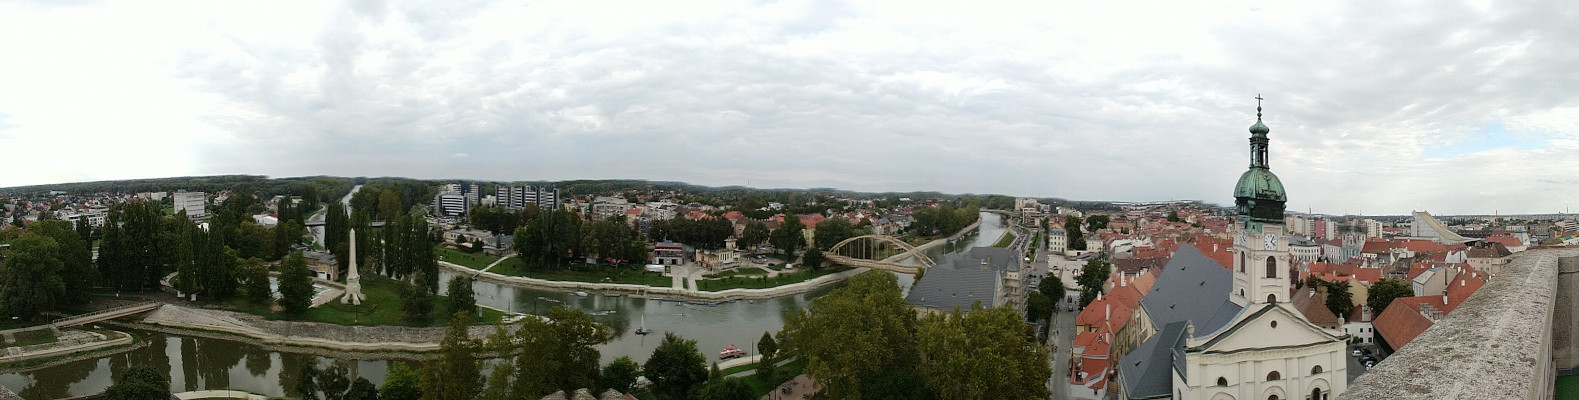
[96, 316]
[863, 251]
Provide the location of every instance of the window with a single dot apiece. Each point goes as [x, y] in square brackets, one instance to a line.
[1272, 397]
[1221, 381]
[1242, 262]
[1272, 376]
[1274, 324]
[1315, 370]
[1271, 298]
[1271, 267]
[1315, 394]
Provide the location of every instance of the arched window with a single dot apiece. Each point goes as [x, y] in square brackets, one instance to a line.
[1242, 262]
[1221, 381]
[1271, 267]
[1315, 370]
[1271, 298]
[1272, 397]
[1315, 394]
[1272, 376]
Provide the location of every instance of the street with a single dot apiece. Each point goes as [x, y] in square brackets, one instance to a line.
[1060, 338]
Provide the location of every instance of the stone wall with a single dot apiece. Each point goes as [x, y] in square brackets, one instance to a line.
[1565, 352]
[1498, 344]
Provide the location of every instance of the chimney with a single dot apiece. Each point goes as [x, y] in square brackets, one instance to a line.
[1107, 310]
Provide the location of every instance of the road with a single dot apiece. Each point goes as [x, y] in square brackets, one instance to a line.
[1058, 340]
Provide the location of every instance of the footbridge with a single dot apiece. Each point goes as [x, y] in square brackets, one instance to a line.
[96, 316]
[877, 251]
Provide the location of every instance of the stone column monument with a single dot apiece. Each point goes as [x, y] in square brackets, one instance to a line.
[353, 282]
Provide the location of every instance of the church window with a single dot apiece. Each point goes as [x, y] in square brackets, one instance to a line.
[1274, 324]
[1242, 262]
[1273, 376]
[1271, 267]
[1315, 370]
[1315, 394]
[1272, 397]
[1221, 381]
[1271, 298]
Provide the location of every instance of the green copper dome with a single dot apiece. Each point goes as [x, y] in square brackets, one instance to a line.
[1260, 184]
[1259, 128]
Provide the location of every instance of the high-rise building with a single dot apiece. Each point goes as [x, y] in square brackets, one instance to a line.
[517, 197]
[191, 203]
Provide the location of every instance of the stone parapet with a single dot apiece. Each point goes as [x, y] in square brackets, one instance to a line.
[1498, 344]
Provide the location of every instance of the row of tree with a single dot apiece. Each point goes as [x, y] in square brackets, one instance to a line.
[944, 219]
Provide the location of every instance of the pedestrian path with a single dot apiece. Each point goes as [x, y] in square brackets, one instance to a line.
[496, 262]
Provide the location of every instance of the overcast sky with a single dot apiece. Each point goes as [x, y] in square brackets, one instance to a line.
[1374, 108]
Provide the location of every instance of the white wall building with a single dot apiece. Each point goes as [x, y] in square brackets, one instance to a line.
[191, 203]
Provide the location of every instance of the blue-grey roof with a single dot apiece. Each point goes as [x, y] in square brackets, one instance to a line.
[1148, 370]
[1195, 288]
[946, 287]
[997, 258]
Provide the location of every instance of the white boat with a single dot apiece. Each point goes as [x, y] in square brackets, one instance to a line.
[579, 293]
[731, 352]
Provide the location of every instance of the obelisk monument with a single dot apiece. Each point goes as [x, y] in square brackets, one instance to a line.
[353, 282]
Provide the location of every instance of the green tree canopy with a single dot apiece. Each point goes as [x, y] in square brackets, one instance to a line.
[1076, 240]
[554, 354]
[981, 354]
[139, 383]
[296, 288]
[401, 383]
[676, 368]
[77, 270]
[1382, 294]
[620, 374]
[462, 299]
[727, 389]
[754, 234]
[1091, 278]
[1339, 300]
[788, 236]
[31, 283]
[853, 335]
[834, 230]
[461, 371]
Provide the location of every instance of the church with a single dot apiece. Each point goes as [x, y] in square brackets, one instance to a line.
[1211, 333]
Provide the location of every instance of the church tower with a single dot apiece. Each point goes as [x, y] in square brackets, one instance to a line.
[1261, 257]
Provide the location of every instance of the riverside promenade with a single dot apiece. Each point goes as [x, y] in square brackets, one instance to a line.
[343, 338]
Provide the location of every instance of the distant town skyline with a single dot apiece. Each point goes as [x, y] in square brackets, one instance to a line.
[1381, 109]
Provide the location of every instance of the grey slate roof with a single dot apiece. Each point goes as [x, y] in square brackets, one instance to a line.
[1193, 289]
[959, 280]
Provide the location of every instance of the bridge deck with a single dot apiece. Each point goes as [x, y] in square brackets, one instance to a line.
[97, 316]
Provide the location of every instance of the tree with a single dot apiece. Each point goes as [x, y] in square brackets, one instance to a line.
[556, 354]
[1173, 216]
[1038, 305]
[30, 283]
[788, 236]
[1383, 293]
[1077, 240]
[139, 383]
[854, 335]
[334, 381]
[462, 300]
[402, 383]
[620, 374]
[1095, 222]
[1053, 288]
[832, 231]
[499, 383]
[754, 234]
[77, 270]
[415, 301]
[813, 258]
[255, 280]
[461, 378]
[1092, 276]
[984, 353]
[362, 389]
[296, 287]
[306, 382]
[727, 389]
[1339, 299]
[676, 367]
[766, 346]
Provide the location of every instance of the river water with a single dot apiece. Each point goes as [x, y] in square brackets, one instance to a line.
[200, 364]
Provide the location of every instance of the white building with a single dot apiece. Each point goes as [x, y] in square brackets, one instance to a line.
[517, 197]
[450, 204]
[604, 207]
[191, 203]
[1303, 250]
[1057, 240]
[1373, 228]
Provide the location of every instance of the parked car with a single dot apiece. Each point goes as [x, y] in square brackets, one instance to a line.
[1357, 352]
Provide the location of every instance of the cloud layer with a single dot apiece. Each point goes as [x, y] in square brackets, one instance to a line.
[1374, 108]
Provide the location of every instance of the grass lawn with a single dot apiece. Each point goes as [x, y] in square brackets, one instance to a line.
[30, 338]
[633, 275]
[6, 323]
[785, 372]
[469, 260]
[382, 307]
[1005, 240]
[758, 282]
[1567, 388]
[740, 272]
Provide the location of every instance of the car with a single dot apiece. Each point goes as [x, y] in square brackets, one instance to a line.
[1369, 364]
[1357, 352]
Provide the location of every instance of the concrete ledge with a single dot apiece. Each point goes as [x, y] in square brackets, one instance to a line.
[219, 394]
[1496, 345]
[47, 351]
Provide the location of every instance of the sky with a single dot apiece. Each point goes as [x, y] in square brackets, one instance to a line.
[1375, 108]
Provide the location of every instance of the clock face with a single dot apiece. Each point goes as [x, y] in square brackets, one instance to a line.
[1271, 242]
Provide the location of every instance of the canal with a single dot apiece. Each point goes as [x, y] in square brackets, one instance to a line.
[200, 363]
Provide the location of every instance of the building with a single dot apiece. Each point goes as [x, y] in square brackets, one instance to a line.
[517, 197]
[322, 264]
[1057, 240]
[605, 207]
[668, 253]
[1373, 228]
[1235, 334]
[191, 203]
[1303, 250]
[990, 275]
[450, 204]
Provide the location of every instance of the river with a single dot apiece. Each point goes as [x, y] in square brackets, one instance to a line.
[199, 363]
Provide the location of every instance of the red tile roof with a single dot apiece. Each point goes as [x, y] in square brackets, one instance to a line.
[1401, 322]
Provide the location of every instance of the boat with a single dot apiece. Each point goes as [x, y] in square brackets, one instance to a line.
[550, 300]
[731, 352]
[642, 330]
[579, 293]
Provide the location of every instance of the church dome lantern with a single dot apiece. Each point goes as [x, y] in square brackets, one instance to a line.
[1259, 195]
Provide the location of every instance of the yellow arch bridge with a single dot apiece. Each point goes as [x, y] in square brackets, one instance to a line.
[878, 251]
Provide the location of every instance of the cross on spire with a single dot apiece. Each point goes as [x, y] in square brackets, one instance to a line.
[1258, 106]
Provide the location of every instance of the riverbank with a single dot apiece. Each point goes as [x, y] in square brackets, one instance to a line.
[68, 346]
[653, 291]
[257, 330]
[938, 242]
